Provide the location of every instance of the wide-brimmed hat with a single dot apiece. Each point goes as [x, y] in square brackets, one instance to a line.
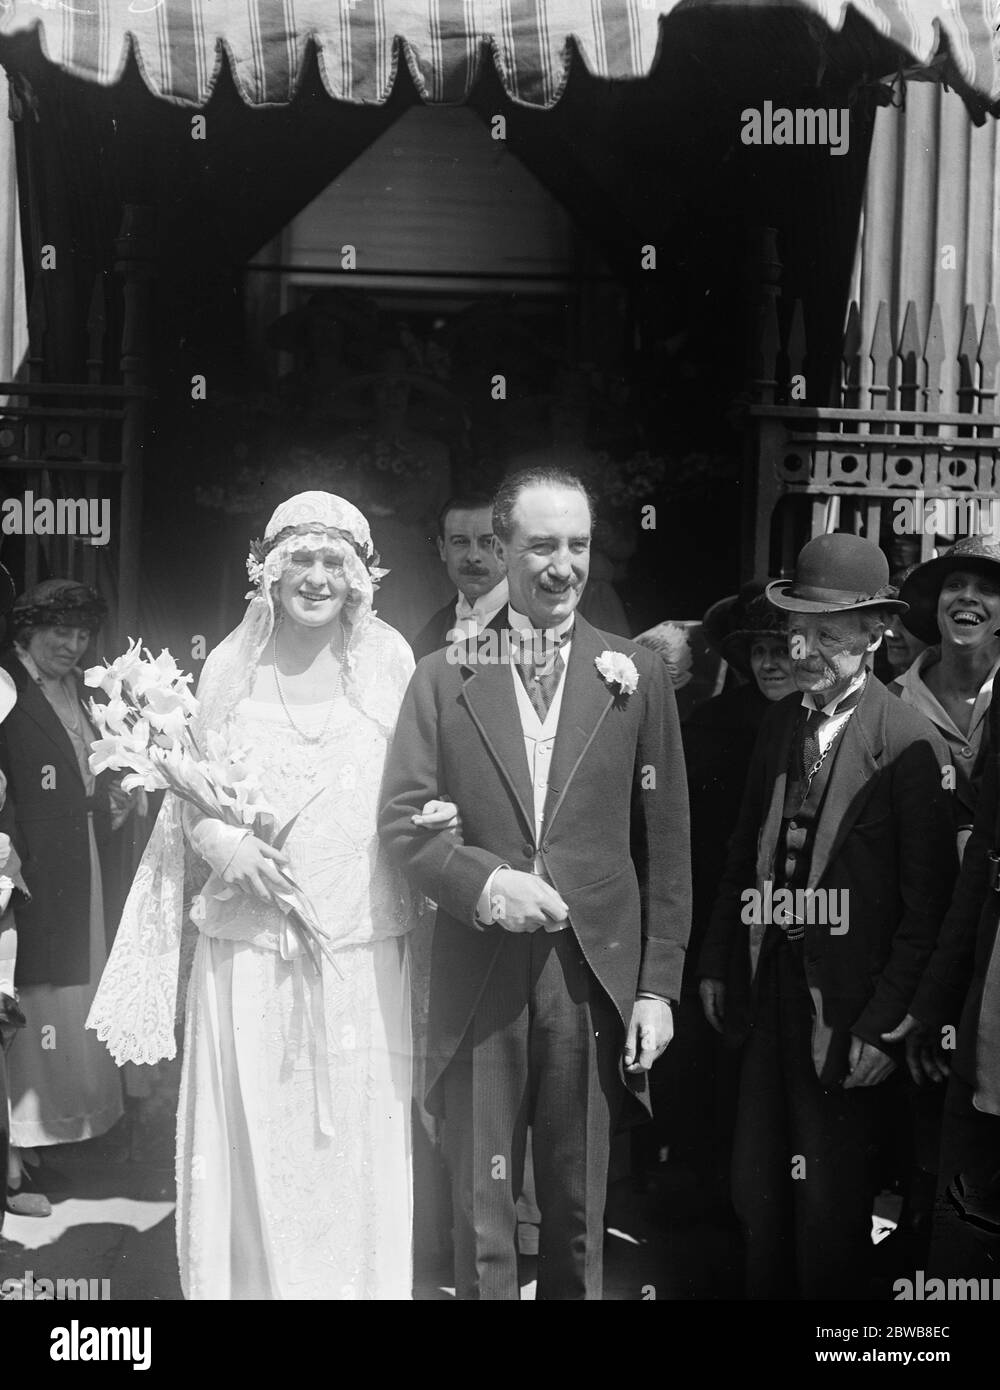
[733, 624]
[838, 573]
[922, 587]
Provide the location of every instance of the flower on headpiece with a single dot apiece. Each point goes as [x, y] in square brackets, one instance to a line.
[255, 567]
[617, 669]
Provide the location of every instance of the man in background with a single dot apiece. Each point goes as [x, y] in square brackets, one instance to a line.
[465, 544]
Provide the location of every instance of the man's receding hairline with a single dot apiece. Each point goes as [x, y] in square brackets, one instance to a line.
[580, 491]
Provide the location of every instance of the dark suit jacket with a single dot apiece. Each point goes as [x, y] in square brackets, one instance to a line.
[952, 989]
[617, 852]
[719, 737]
[50, 834]
[886, 834]
[434, 634]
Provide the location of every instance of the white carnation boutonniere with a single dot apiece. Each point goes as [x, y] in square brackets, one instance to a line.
[618, 671]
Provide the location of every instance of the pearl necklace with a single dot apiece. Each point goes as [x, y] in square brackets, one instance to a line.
[338, 687]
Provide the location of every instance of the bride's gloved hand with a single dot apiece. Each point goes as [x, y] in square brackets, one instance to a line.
[254, 869]
[439, 815]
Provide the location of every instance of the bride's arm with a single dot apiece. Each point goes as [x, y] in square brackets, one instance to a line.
[212, 840]
[235, 854]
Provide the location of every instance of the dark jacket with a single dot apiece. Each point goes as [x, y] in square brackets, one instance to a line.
[885, 833]
[434, 634]
[48, 807]
[615, 845]
[719, 737]
[952, 989]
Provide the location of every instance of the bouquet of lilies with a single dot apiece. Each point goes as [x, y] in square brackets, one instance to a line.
[146, 731]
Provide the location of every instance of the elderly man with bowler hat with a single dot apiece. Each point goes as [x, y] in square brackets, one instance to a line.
[839, 874]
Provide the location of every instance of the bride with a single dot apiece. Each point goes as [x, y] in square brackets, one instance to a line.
[293, 1138]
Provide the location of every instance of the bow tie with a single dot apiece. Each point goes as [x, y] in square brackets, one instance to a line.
[465, 609]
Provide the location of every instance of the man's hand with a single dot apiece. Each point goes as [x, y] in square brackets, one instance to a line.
[924, 1055]
[439, 815]
[254, 869]
[713, 1001]
[522, 902]
[866, 1064]
[649, 1031]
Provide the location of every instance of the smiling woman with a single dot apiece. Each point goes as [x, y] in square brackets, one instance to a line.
[955, 605]
[293, 1131]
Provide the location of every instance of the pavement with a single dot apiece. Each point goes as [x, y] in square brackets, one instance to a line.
[112, 1216]
[113, 1219]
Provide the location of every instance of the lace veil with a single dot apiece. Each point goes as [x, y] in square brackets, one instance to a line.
[136, 1004]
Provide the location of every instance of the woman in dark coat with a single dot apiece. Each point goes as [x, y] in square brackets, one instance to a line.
[11, 884]
[695, 1079]
[63, 1084]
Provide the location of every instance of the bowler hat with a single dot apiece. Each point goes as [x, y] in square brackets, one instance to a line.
[922, 587]
[838, 573]
[733, 624]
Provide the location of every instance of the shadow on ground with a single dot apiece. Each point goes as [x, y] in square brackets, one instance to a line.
[112, 1217]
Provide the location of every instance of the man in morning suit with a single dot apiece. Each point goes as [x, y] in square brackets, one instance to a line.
[465, 544]
[563, 904]
[838, 876]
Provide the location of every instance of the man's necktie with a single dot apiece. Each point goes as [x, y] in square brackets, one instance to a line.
[809, 743]
[808, 756]
[541, 680]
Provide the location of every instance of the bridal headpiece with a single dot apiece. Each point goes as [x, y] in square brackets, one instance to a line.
[309, 521]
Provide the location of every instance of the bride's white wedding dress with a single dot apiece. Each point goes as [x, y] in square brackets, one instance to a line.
[293, 1153]
[293, 1130]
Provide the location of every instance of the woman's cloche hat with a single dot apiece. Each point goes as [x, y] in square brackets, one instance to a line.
[922, 587]
[838, 573]
[57, 603]
[733, 624]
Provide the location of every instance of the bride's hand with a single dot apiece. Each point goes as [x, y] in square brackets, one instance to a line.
[439, 815]
[254, 869]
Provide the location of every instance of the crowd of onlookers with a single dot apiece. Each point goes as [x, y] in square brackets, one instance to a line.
[838, 1031]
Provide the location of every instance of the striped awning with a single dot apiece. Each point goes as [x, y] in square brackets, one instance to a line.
[179, 45]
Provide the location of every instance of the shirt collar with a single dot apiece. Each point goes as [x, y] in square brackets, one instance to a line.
[809, 701]
[912, 680]
[488, 603]
[520, 623]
